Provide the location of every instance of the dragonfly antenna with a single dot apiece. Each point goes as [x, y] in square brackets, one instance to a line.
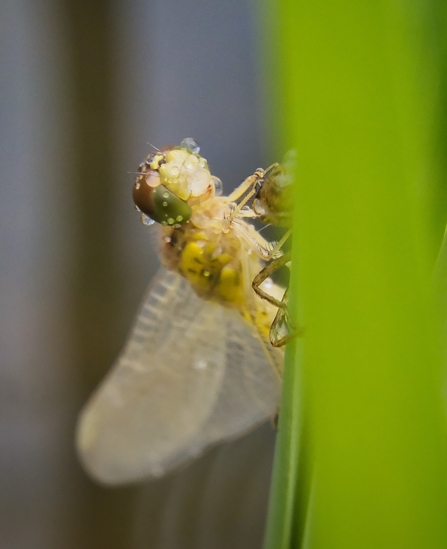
[153, 146]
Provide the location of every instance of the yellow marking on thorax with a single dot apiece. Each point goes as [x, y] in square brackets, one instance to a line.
[193, 265]
[229, 287]
[212, 276]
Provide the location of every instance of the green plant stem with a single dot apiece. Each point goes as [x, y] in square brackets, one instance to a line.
[359, 101]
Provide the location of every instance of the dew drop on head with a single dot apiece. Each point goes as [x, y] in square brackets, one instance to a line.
[191, 144]
[218, 186]
[146, 220]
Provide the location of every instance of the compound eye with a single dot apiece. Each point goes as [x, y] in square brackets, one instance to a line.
[160, 204]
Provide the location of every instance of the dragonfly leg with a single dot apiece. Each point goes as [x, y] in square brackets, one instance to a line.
[248, 183]
[251, 182]
[265, 273]
[282, 329]
[277, 247]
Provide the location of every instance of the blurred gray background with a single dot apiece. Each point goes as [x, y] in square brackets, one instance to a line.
[84, 86]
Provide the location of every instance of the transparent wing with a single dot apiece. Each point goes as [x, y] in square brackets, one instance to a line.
[192, 373]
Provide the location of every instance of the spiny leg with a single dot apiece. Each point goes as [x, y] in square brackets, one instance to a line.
[282, 321]
[282, 329]
[251, 181]
[277, 247]
[267, 271]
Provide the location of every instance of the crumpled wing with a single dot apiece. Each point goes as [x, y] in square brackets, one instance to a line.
[192, 373]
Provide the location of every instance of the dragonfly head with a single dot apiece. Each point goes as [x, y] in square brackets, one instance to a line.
[170, 181]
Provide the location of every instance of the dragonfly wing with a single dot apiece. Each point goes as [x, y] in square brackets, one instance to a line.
[250, 389]
[170, 393]
[150, 405]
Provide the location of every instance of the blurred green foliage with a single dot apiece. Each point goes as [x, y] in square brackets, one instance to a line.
[360, 93]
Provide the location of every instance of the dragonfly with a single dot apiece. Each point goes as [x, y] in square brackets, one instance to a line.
[197, 367]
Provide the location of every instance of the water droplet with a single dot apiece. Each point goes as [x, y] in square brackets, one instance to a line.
[164, 223]
[166, 195]
[176, 225]
[164, 203]
[218, 187]
[146, 220]
[259, 207]
[137, 185]
[137, 208]
[175, 171]
[179, 218]
[191, 144]
[167, 239]
[152, 179]
[170, 221]
[206, 273]
[191, 162]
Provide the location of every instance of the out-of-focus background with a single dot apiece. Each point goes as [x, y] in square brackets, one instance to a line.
[84, 87]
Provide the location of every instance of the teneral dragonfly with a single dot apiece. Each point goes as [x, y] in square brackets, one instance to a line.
[197, 367]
